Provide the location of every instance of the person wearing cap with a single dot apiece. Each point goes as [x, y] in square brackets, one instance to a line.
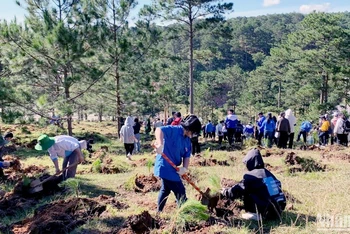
[260, 122]
[174, 142]
[4, 140]
[260, 190]
[63, 146]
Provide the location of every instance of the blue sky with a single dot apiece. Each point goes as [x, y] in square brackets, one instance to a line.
[9, 9]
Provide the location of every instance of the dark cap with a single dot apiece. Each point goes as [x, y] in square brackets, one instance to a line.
[9, 134]
[191, 123]
[260, 113]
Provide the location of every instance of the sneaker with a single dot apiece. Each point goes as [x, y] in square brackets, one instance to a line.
[250, 216]
[128, 156]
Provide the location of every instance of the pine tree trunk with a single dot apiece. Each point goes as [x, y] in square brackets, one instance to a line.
[191, 59]
[67, 96]
[279, 95]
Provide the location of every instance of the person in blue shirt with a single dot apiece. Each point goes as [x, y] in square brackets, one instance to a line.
[209, 128]
[231, 124]
[269, 127]
[260, 128]
[305, 128]
[248, 130]
[174, 142]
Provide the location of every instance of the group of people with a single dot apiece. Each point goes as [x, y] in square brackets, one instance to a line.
[336, 129]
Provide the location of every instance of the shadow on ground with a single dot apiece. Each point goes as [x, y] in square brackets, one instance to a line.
[92, 190]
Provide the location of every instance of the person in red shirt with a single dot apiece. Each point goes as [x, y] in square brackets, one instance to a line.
[177, 119]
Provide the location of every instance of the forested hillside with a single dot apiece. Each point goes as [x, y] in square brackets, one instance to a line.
[83, 58]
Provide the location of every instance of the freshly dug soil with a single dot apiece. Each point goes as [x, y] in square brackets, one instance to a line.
[298, 164]
[226, 208]
[139, 224]
[227, 183]
[145, 184]
[60, 217]
[208, 200]
[200, 161]
[277, 169]
[336, 156]
[108, 200]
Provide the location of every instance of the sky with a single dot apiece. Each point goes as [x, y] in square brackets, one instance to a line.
[9, 9]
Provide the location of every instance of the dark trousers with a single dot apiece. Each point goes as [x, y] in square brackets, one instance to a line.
[290, 140]
[167, 186]
[225, 136]
[323, 138]
[129, 148]
[282, 142]
[1, 160]
[269, 136]
[302, 133]
[220, 139]
[260, 136]
[342, 139]
[195, 146]
[67, 161]
[230, 134]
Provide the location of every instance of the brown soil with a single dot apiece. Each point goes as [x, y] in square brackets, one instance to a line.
[139, 224]
[227, 183]
[108, 200]
[226, 208]
[290, 198]
[208, 200]
[299, 164]
[337, 156]
[273, 152]
[200, 161]
[145, 184]
[60, 217]
[277, 169]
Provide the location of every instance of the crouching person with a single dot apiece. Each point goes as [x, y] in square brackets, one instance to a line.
[174, 142]
[260, 190]
[63, 146]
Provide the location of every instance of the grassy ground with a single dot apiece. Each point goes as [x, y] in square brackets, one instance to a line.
[317, 192]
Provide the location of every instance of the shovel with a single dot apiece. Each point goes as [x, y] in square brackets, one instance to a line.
[36, 185]
[206, 199]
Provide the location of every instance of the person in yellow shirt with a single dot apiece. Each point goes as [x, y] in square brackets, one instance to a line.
[323, 135]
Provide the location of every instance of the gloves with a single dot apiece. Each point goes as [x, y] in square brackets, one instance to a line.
[224, 192]
[159, 149]
[182, 171]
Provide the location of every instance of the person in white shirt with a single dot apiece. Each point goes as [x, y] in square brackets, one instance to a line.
[340, 131]
[219, 132]
[64, 146]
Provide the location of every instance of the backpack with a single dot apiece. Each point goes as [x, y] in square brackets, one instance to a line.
[277, 198]
[346, 126]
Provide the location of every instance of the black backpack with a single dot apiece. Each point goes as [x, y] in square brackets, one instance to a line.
[277, 200]
[346, 126]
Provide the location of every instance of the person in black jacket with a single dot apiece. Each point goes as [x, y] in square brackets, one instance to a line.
[260, 190]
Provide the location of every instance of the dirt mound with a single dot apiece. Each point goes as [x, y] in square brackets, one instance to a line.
[277, 169]
[334, 148]
[273, 152]
[207, 199]
[201, 161]
[145, 184]
[60, 217]
[337, 156]
[227, 183]
[226, 208]
[11, 204]
[139, 224]
[299, 164]
[108, 200]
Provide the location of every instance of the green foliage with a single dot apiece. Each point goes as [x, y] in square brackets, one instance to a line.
[129, 185]
[10, 116]
[74, 185]
[24, 130]
[97, 166]
[215, 184]
[26, 181]
[206, 153]
[149, 165]
[190, 213]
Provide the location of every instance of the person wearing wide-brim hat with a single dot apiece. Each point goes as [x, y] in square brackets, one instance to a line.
[64, 146]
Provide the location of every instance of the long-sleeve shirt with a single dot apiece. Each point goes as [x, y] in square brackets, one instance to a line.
[339, 129]
[325, 126]
[64, 146]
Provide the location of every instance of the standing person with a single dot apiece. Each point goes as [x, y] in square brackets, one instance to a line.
[157, 124]
[219, 132]
[137, 127]
[63, 146]
[209, 129]
[275, 138]
[283, 127]
[260, 121]
[305, 128]
[292, 122]
[196, 148]
[4, 140]
[333, 123]
[224, 131]
[323, 131]
[177, 120]
[341, 131]
[269, 129]
[171, 119]
[248, 130]
[174, 142]
[148, 126]
[127, 136]
[231, 124]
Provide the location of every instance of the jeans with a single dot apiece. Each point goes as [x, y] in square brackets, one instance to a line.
[67, 161]
[269, 136]
[167, 186]
[137, 144]
[304, 134]
[323, 138]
